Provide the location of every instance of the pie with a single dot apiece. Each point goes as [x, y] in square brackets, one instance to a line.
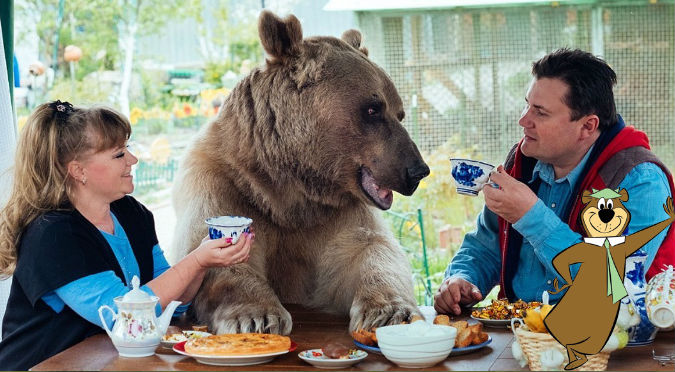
[238, 344]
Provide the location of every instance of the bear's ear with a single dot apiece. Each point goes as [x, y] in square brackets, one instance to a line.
[624, 195]
[586, 197]
[280, 37]
[353, 38]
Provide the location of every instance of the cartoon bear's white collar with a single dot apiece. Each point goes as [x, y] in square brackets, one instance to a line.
[613, 240]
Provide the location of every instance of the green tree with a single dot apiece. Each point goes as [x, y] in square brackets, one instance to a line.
[228, 32]
[105, 30]
[89, 24]
[142, 17]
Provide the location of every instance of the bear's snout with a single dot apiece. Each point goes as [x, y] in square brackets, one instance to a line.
[417, 172]
[606, 215]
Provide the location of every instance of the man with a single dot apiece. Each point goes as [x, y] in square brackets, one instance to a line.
[573, 140]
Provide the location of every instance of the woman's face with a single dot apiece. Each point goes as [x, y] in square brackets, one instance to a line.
[108, 173]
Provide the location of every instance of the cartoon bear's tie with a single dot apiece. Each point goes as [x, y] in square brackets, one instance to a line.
[614, 283]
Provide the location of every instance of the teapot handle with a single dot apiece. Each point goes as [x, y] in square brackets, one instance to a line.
[100, 314]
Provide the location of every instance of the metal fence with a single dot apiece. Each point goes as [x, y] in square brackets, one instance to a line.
[150, 175]
[465, 71]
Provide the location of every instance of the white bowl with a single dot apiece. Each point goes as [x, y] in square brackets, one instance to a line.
[437, 347]
[416, 345]
[423, 361]
[228, 227]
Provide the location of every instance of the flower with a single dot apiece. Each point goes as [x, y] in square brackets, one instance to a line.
[135, 114]
[183, 111]
[187, 109]
[211, 100]
[135, 328]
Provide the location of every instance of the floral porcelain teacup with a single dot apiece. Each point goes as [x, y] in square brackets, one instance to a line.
[660, 299]
[470, 175]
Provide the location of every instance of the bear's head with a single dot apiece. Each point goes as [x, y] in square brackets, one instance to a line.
[604, 214]
[327, 119]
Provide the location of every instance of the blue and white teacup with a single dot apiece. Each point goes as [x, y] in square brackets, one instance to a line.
[228, 227]
[470, 175]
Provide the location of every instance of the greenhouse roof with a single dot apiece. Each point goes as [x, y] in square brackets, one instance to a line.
[376, 5]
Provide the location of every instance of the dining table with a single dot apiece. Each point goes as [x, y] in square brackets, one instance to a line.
[313, 329]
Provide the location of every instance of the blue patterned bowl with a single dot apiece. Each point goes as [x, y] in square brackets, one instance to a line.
[228, 226]
[470, 175]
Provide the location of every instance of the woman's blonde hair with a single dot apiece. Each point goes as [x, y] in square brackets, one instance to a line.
[54, 134]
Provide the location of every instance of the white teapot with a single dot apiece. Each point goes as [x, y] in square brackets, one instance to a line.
[137, 331]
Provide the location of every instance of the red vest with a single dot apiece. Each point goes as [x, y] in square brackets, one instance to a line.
[626, 138]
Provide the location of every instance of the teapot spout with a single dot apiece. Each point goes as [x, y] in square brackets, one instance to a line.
[165, 318]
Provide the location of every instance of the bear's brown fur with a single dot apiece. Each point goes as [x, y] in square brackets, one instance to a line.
[306, 146]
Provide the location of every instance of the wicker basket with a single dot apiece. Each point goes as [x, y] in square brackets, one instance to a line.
[533, 344]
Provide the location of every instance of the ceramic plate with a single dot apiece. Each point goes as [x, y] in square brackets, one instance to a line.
[316, 358]
[471, 348]
[496, 323]
[187, 334]
[235, 360]
[372, 349]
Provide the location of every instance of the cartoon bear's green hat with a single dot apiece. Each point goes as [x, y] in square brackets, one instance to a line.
[605, 194]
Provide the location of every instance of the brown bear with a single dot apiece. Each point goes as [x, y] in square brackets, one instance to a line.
[309, 146]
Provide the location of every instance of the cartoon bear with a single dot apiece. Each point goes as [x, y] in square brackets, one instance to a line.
[310, 146]
[583, 319]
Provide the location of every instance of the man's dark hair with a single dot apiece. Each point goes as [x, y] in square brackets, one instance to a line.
[590, 81]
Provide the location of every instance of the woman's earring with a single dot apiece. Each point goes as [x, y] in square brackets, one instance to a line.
[84, 180]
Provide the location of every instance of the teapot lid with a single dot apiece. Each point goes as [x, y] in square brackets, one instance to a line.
[136, 294]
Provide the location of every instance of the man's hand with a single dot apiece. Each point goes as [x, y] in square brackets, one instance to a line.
[513, 198]
[454, 292]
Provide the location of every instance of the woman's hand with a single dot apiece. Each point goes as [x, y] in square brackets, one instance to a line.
[183, 279]
[221, 252]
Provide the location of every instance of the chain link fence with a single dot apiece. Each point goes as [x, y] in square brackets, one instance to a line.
[465, 71]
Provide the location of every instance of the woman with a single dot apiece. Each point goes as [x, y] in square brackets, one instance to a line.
[72, 238]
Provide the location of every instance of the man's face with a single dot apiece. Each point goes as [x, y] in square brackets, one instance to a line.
[550, 134]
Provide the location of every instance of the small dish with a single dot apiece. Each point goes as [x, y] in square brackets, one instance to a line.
[234, 360]
[316, 358]
[371, 349]
[470, 348]
[169, 344]
[494, 323]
